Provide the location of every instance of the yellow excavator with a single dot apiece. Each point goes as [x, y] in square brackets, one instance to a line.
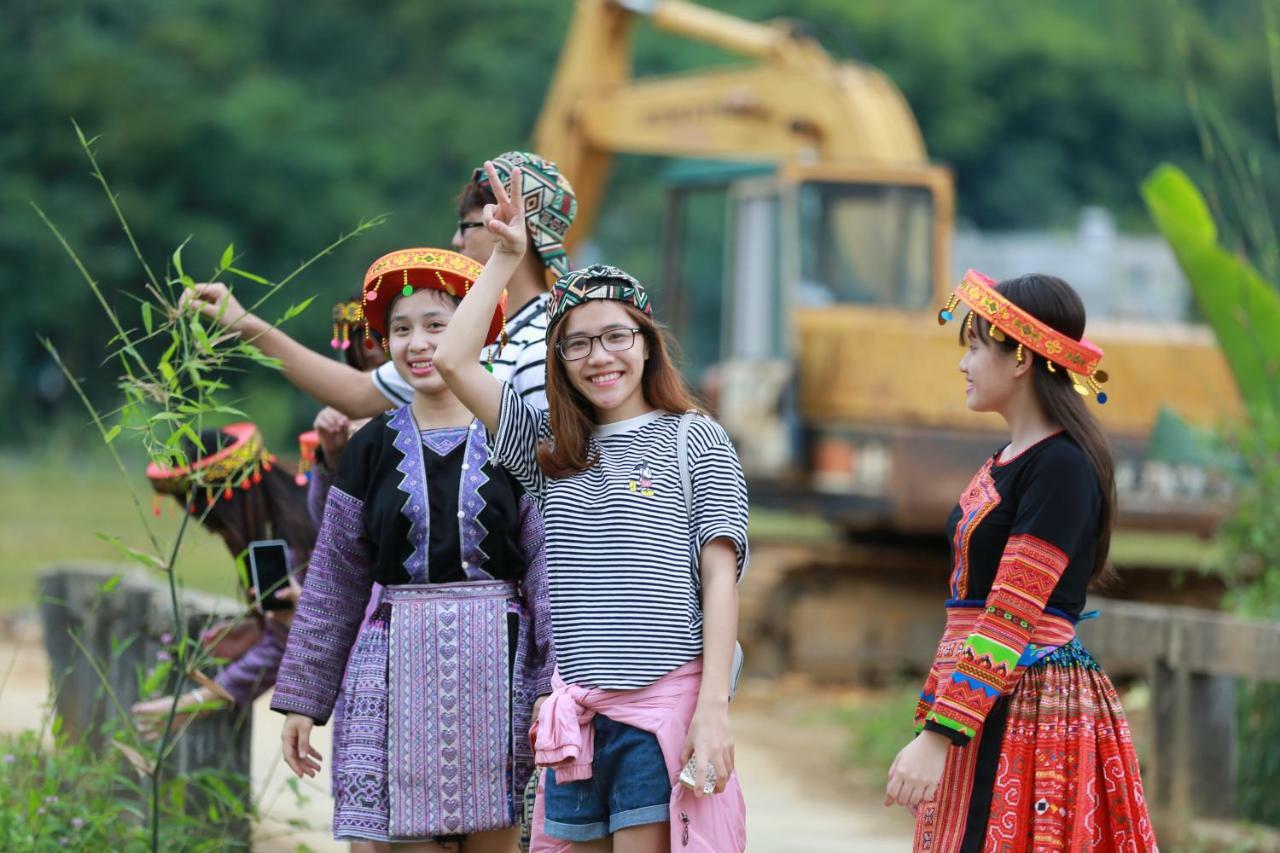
[806, 250]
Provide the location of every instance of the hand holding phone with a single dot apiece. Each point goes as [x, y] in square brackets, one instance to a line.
[269, 571]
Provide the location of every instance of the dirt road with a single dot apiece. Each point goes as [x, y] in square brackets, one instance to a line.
[800, 796]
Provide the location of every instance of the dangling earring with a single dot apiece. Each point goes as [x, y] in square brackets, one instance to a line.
[1018, 354]
[948, 311]
[370, 295]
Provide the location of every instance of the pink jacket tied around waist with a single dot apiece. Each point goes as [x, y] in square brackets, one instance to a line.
[564, 740]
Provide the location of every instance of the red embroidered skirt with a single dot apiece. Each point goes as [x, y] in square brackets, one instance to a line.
[1052, 768]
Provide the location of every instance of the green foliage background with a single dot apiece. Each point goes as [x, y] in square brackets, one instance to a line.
[279, 126]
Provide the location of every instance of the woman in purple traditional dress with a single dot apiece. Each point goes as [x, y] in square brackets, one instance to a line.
[241, 497]
[439, 691]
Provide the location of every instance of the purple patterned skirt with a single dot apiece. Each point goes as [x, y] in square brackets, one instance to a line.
[434, 737]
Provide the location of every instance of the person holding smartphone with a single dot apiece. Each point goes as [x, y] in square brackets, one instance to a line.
[239, 493]
[440, 681]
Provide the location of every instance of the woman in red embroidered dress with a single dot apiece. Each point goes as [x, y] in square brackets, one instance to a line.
[1022, 743]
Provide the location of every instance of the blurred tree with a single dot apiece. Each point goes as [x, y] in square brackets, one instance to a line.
[278, 126]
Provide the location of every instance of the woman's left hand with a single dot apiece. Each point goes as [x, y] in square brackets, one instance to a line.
[710, 740]
[916, 772]
[333, 428]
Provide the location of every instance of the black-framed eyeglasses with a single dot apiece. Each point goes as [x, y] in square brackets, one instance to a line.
[463, 225]
[576, 347]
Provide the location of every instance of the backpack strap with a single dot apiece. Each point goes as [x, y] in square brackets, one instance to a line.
[686, 481]
[682, 459]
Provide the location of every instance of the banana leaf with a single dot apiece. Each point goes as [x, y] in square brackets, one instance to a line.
[1242, 308]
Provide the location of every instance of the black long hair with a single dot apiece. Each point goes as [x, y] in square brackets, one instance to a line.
[1055, 303]
[275, 508]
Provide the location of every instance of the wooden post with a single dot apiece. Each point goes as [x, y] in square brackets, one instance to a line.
[1195, 658]
[120, 630]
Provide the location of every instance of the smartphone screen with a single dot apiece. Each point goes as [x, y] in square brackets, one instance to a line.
[269, 570]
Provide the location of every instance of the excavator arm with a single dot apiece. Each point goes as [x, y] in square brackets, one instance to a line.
[795, 104]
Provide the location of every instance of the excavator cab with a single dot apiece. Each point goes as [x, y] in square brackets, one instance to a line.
[751, 251]
[804, 260]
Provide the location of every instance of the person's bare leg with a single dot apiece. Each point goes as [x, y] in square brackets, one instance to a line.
[600, 845]
[646, 838]
[420, 847]
[494, 841]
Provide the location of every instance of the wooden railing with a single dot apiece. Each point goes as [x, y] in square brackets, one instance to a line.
[1192, 658]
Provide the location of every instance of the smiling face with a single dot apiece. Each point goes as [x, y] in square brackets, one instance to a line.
[991, 374]
[414, 327]
[609, 379]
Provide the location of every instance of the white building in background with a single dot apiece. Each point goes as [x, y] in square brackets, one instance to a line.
[1121, 277]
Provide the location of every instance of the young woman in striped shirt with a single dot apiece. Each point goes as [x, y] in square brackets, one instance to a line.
[643, 585]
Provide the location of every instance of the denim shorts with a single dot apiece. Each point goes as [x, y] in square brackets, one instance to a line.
[629, 786]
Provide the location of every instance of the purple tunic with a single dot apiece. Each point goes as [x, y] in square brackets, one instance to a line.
[422, 511]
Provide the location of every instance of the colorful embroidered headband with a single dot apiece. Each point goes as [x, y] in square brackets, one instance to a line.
[307, 444]
[347, 317]
[239, 464]
[549, 202]
[1079, 357]
[598, 281]
[403, 271]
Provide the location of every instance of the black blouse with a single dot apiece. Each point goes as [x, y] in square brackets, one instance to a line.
[1048, 491]
[467, 527]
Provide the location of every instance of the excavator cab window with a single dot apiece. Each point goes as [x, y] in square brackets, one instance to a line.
[865, 244]
[693, 264]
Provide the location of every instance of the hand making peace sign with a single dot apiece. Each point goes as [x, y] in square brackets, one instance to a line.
[505, 220]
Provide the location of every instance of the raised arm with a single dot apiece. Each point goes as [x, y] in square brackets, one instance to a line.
[458, 355]
[330, 381]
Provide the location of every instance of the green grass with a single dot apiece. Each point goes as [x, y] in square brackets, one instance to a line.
[52, 507]
[879, 723]
[1142, 549]
[54, 503]
[793, 527]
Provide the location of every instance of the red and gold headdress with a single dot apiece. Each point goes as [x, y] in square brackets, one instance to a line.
[1079, 357]
[239, 464]
[347, 317]
[407, 270]
[307, 444]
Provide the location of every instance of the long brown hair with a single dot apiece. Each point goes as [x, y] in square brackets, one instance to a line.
[1055, 303]
[567, 452]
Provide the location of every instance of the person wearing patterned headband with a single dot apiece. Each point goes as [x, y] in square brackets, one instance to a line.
[645, 507]
[239, 493]
[550, 206]
[349, 331]
[440, 680]
[1021, 741]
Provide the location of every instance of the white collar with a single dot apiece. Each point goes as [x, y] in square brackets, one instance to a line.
[629, 425]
